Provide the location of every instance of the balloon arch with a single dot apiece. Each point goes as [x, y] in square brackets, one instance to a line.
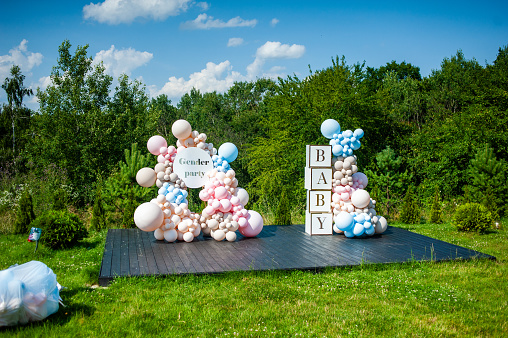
[193, 163]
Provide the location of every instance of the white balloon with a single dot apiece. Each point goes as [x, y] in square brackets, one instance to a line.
[148, 216]
[219, 235]
[381, 225]
[243, 195]
[170, 235]
[188, 237]
[231, 236]
[146, 177]
[158, 234]
[360, 198]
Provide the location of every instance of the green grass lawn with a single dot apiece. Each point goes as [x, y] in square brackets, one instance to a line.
[455, 298]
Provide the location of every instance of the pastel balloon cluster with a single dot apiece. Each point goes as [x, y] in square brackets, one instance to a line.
[343, 143]
[225, 212]
[357, 224]
[348, 185]
[168, 215]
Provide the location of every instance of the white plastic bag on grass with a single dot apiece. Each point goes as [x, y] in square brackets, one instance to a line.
[28, 292]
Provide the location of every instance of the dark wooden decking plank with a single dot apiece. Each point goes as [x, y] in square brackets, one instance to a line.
[178, 267]
[149, 254]
[116, 256]
[157, 248]
[133, 252]
[140, 250]
[107, 256]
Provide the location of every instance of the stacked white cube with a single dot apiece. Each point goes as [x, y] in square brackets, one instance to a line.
[318, 182]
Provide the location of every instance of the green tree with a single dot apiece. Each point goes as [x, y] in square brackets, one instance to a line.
[390, 178]
[411, 212]
[436, 210]
[283, 213]
[24, 214]
[122, 192]
[72, 128]
[15, 113]
[98, 220]
[487, 180]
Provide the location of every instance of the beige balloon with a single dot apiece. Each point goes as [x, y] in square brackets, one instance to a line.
[146, 177]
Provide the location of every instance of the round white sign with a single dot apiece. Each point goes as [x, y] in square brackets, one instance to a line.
[191, 165]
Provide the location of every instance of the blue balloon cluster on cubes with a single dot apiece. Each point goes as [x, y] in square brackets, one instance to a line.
[354, 224]
[343, 143]
[173, 195]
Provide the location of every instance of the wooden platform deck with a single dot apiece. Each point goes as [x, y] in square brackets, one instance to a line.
[132, 252]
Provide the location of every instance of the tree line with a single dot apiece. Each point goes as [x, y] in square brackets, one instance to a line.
[446, 132]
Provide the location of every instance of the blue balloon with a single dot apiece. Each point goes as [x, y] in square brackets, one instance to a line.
[337, 150]
[344, 221]
[330, 127]
[349, 234]
[228, 151]
[358, 133]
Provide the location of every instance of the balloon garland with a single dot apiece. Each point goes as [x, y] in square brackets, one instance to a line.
[194, 163]
[354, 211]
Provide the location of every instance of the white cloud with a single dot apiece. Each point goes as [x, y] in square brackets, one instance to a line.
[233, 42]
[125, 11]
[274, 22]
[276, 50]
[215, 77]
[204, 5]
[21, 57]
[118, 62]
[273, 50]
[203, 21]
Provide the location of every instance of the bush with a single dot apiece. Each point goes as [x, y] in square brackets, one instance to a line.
[472, 217]
[98, 220]
[60, 228]
[436, 210]
[411, 212]
[24, 214]
[283, 214]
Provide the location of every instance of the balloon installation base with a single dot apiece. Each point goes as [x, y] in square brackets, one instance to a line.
[134, 253]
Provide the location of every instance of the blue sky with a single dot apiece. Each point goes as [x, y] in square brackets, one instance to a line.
[174, 45]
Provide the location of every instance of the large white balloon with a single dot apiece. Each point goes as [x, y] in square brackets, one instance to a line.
[148, 216]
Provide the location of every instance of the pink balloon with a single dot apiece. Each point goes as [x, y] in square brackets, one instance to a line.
[235, 200]
[225, 205]
[220, 192]
[254, 225]
[155, 143]
[335, 197]
[216, 204]
[242, 221]
[209, 210]
[171, 150]
[161, 159]
[203, 195]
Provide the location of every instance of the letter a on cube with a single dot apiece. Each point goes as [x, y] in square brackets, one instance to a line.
[318, 178]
